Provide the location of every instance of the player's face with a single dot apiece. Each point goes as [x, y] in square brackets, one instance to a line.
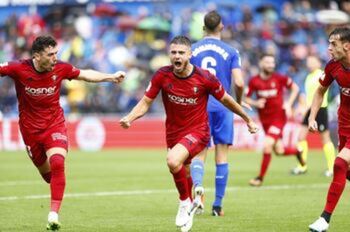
[46, 59]
[180, 55]
[336, 48]
[268, 64]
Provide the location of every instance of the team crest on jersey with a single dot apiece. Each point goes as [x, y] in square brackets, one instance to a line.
[195, 89]
[273, 85]
[54, 77]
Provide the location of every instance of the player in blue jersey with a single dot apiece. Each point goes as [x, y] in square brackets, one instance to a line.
[224, 62]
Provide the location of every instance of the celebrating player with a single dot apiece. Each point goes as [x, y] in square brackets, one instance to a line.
[223, 61]
[336, 69]
[269, 89]
[185, 90]
[41, 120]
[313, 63]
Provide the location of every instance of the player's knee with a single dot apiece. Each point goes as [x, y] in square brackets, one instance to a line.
[173, 163]
[57, 162]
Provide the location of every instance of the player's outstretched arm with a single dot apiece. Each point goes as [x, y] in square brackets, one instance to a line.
[138, 111]
[232, 105]
[315, 106]
[90, 75]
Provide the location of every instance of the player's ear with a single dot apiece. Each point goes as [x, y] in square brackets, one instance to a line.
[346, 46]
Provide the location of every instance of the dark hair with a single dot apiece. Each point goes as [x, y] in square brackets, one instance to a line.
[212, 20]
[343, 32]
[180, 39]
[263, 55]
[42, 42]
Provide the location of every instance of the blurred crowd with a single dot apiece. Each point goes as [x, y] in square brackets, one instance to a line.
[101, 37]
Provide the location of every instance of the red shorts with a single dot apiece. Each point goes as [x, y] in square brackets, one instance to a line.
[38, 143]
[194, 143]
[274, 129]
[344, 141]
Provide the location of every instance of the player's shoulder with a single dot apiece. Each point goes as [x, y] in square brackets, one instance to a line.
[165, 70]
[332, 65]
[204, 74]
[254, 78]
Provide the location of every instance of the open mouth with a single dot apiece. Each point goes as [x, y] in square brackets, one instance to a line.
[177, 64]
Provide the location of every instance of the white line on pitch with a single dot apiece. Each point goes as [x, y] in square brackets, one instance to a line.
[160, 191]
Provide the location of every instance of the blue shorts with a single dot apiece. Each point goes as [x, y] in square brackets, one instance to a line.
[221, 127]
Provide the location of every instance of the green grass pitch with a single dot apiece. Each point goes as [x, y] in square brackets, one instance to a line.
[132, 190]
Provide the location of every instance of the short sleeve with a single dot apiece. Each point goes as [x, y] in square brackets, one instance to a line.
[236, 60]
[286, 81]
[71, 72]
[326, 78]
[215, 87]
[154, 86]
[6, 69]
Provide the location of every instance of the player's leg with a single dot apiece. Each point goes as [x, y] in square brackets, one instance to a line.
[222, 132]
[56, 157]
[175, 159]
[341, 165]
[265, 162]
[304, 148]
[329, 151]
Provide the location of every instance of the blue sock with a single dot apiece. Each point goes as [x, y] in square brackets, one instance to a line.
[197, 172]
[220, 183]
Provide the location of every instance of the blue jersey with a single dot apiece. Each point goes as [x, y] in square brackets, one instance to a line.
[218, 58]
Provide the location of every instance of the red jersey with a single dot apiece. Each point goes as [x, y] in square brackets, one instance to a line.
[38, 93]
[185, 100]
[272, 90]
[334, 70]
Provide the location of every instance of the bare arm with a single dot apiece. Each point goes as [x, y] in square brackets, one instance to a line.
[315, 106]
[259, 103]
[232, 105]
[90, 75]
[137, 112]
[237, 76]
[292, 96]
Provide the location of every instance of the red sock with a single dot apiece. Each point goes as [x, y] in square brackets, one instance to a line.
[337, 186]
[58, 181]
[190, 185]
[180, 180]
[46, 177]
[290, 151]
[264, 164]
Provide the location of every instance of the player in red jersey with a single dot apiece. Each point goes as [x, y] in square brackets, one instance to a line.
[185, 90]
[273, 110]
[41, 120]
[337, 69]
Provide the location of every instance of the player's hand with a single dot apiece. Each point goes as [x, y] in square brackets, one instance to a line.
[246, 105]
[313, 127]
[252, 127]
[260, 103]
[118, 77]
[124, 122]
[288, 109]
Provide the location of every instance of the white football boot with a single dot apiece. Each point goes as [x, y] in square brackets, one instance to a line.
[320, 225]
[198, 199]
[183, 213]
[52, 221]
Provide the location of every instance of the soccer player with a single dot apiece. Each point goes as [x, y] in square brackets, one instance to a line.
[185, 90]
[313, 63]
[269, 88]
[223, 61]
[38, 82]
[337, 69]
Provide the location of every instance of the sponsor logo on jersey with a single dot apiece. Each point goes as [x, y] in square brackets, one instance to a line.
[345, 91]
[267, 93]
[182, 100]
[40, 91]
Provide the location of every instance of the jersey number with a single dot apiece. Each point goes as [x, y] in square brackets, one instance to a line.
[209, 63]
